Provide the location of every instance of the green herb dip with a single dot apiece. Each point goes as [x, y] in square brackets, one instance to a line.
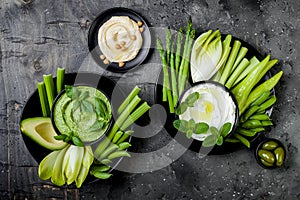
[84, 112]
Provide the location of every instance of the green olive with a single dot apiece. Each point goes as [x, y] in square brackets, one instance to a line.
[266, 155]
[270, 145]
[265, 163]
[279, 154]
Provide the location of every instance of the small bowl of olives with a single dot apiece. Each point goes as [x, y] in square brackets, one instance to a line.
[270, 153]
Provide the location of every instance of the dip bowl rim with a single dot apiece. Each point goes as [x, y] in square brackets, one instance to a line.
[62, 92]
[224, 88]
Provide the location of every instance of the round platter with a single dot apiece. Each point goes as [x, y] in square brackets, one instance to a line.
[32, 108]
[94, 46]
[195, 145]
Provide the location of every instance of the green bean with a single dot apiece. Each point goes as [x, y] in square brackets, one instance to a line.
[118, 154]
[268, 103]
[242, 139]
[249, 113]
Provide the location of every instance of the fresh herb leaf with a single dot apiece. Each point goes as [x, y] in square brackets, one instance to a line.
[72, 92]
[189, 134]
[100, 107]
[214, 131]
[181, 108]
[97, 125]
[88, 107]
[67, 139]
[83, 95]
[77, 141]
[76, 104]
[191, 124]
[209, 141]
[220, 140]
[225, 129]
[181, 125]
[201, 128]
[60, 137]
[192, 98]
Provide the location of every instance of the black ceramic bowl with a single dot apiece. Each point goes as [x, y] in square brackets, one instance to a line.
[260, 145]
[197, 144]
[93, 39]
[77, 85]
[32, 108]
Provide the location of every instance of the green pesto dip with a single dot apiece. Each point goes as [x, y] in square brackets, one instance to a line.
[82, 111]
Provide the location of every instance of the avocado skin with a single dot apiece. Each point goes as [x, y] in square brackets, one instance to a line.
[40, 130]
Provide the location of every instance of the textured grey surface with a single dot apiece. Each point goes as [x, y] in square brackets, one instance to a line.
[39, 36]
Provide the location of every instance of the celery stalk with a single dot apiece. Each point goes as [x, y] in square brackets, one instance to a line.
[43, 99]
[60, 79]
[50, 89]
[253, 62]
[136, 90]
[242, 65]
[243, 51]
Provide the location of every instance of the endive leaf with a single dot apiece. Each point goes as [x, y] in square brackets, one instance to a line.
[74, 164]
[46, 165]
[206, 65]
[87, 160]
[58, 177]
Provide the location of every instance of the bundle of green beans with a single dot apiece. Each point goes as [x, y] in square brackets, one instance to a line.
[175, 64]
[116, 143]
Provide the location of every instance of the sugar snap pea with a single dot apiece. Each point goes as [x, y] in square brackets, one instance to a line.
[251, 123]
[118, 154]
[242, 139]
[102, 168]
[232, 140]
[246, 132]
[260, 117]
[124, 145]
[258, 129]
[262, 98]
[125, 136]
[249, 113]
[267, 123]
[108, 150]
[102, 175]
[117, 136]
[105, 161]
[268, 103]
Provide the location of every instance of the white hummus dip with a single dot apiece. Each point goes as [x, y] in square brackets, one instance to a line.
[119, 39]
[214, 107]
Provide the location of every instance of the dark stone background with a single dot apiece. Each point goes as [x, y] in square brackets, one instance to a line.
[38, 36]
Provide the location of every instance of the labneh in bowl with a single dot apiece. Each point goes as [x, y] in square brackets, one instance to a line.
[87, 114]
[216, 106]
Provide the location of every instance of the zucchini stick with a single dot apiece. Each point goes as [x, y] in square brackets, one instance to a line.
[43, 99]
[60, 76]
[230, 61]
[50, 89]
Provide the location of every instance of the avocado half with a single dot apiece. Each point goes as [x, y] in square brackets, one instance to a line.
[40, 130]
